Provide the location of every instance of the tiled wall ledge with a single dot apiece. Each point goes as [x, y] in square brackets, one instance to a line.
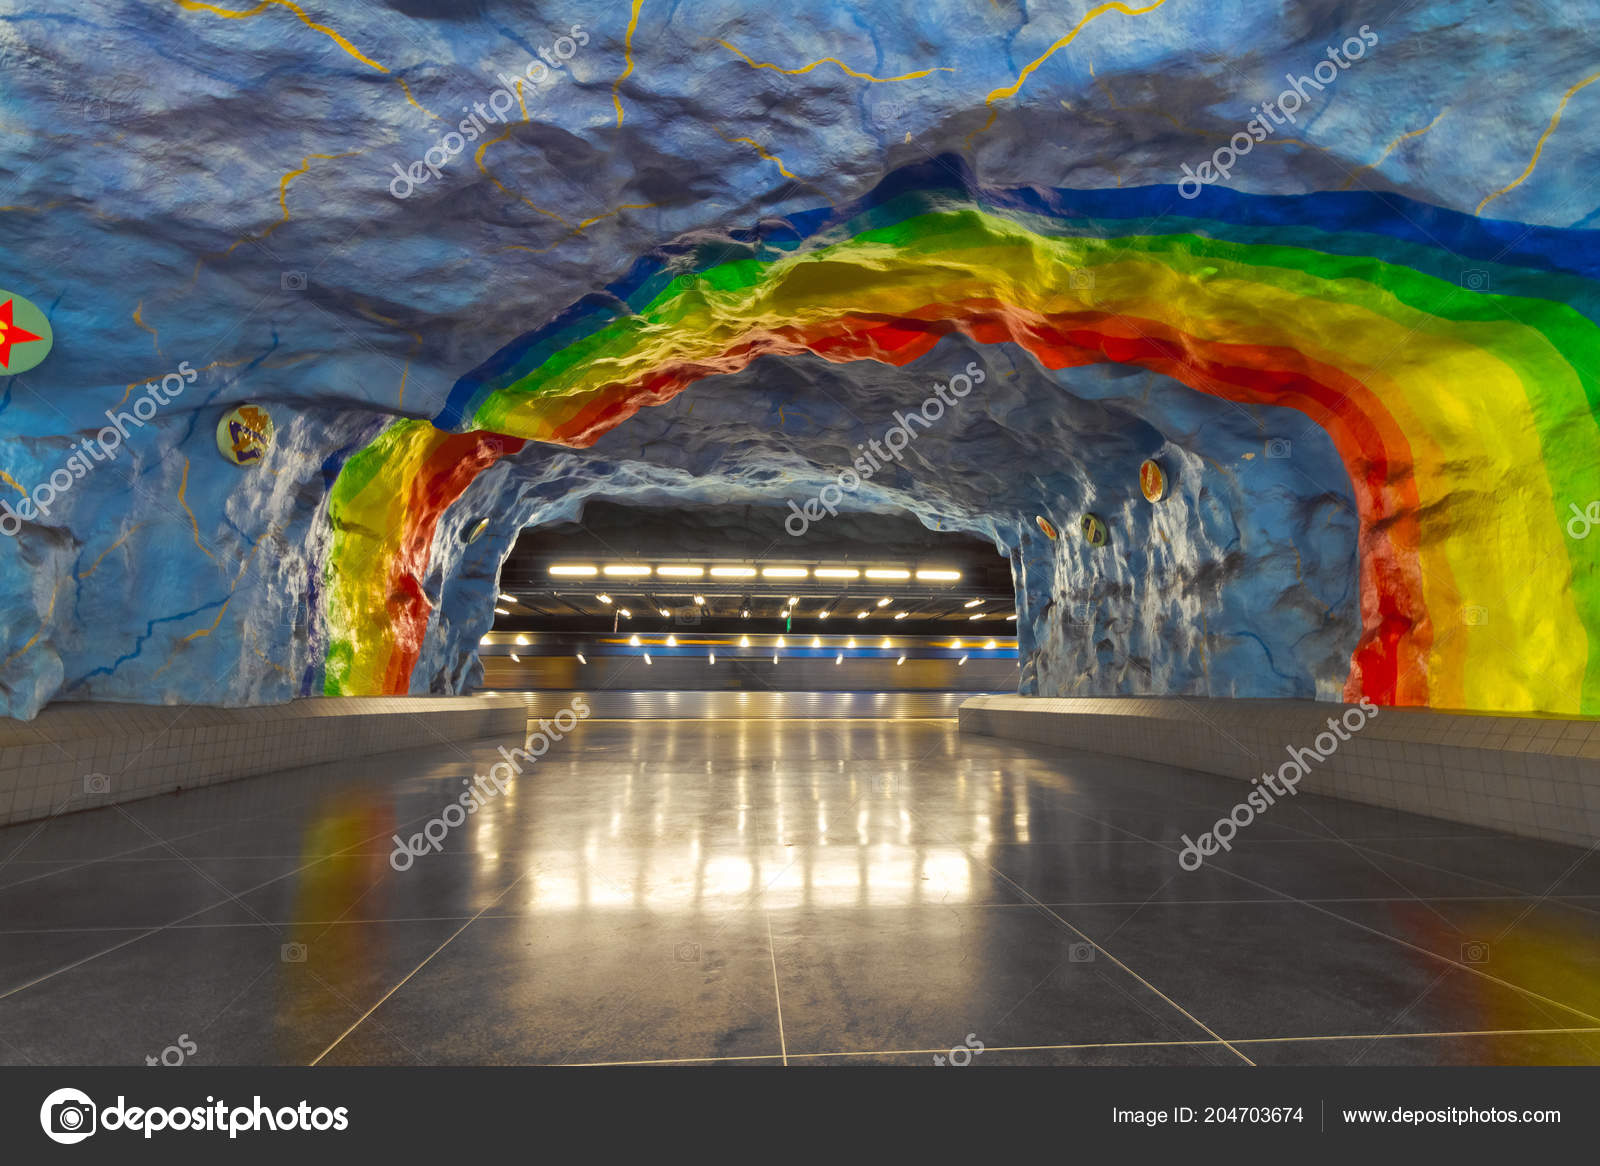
[1536, 777]
[77, 756]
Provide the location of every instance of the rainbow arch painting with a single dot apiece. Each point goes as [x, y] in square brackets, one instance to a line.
[1451, 360]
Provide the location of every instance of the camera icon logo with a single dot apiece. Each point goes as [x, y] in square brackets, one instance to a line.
[96, 783]
[1474, 616]
[687, 953]
[1080, 953]
[1279, 447]
[687, 617]
[1080, 279]
[292, 281]
[1080, 614]
[293, 953]
[68, 1116]
[1474, 280]
[1474, 951]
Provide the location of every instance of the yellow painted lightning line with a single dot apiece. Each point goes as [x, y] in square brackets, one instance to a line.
[484, 170]
[138, 318]
[400, 81]
[1063, 42]
[44, 623]
[627, 55]
[833, 61]
[96, 565]
[1389, 149]
[761, 150]
[1555, 120]
[283, 186]
[332, 34]
[627, 206]
[183, 487]
[200, 633]
[232, 14]
[13, 483]
[283, 205]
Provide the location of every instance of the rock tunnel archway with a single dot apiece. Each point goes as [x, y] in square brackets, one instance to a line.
[1250, 312]
[1428, 370]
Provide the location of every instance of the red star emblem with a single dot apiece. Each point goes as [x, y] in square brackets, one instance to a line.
[11, 334]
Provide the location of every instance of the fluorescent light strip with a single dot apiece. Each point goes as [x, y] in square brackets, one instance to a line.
[887, 573]
[572, 569]
[732, 572]
[837, 573]
[680, 572]
[938, 576]
[784, 572]
[626, 569]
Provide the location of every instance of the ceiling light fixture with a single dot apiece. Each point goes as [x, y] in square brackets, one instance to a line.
[885, 601]
[565, 569]
[989, 647]
[973, 617]
[784, 572]
[665, 614]
[837, 573]
[632, 569]
[850, 643]
[1011, 618]
[744, 641]
[671, 572]
[516, 659]
[973, 603]
[887, 573]
[816, 641]
[647, 659]
[861, 615]
[522, 641]
[901, 614]
[732, 572]
[885, 643]
[581, 658]
[634, 640]
[603, 597]
[699, 600]
[961, 661]
[672, 641]
[938, 576]
[839, 659]
[504, 598]
[900, 661]
[501, 611]
[624, 613]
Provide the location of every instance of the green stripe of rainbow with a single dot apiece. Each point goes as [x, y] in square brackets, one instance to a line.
[1466, 419]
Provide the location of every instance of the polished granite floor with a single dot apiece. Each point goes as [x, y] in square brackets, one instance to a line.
[806, 892]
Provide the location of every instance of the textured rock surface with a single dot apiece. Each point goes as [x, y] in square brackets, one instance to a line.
[209, 184]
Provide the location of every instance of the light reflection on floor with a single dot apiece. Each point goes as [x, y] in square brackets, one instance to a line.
[663, 889]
